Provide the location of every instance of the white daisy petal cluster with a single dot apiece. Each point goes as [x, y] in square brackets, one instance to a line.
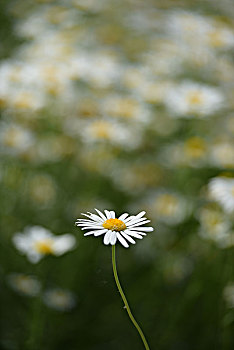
[121, 229]
[222, 190]
[36, 242]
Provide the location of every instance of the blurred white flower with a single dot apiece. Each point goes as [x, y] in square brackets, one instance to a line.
[113, 229]
[189, 99]
[167, 206]
[214, 226]
[59, 299]
[192, 152]
[24, 284]
[109, 131]
[36, 242]
[222, 190]
[14, 138]
[222, 154]
[126, 108]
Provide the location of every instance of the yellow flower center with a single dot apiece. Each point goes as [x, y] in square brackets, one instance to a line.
[195, 147]
[114, 225]
[195, 98]
[44, 247]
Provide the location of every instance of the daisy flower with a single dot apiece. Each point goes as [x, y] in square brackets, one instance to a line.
[191, 98]
[59, 299]
[37, 242]
[24, 284]
[222, 190]
[122, 229]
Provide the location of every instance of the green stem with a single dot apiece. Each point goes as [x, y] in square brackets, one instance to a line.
[125, 300]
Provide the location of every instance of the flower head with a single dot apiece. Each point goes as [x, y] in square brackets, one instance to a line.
[59, 299]
[36, 242]
[222, 190]
[114, 229]
[24, 284]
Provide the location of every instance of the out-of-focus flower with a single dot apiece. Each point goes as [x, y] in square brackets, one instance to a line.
[127, 109]
[176, 267]
[191, 99]
[222, 154]
[214, 226]
[113, 229]
[41, 189]
[14, 139]
[24, 284]
[193, 28]
[228, 295]
[36, 242]
[136, 176]
[222, 190]
[192, 152]
[110, 131]
[167, 207]
[59, 299]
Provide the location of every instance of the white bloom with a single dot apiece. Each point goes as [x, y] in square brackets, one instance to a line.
[59, 299]
[107, 131]
[214, 226]
[24, 284]
[222, 154]
[190, 98]
[113, 229]
[222, 190]
[15, 139]
[167, 207]
[36, 242]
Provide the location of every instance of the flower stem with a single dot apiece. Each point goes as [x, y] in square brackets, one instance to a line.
[125, 300]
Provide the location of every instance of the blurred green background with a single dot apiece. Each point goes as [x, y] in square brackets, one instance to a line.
[126, 106]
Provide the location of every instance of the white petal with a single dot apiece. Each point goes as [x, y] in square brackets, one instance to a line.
[138, 233]
[101, 214]
[112, 214]
[134, 234]
[90, 233]
[122, 240]
[84, 220]
[123, 216]
[96, 218]
[98, 233]
[34, 257]
[113, 238]
[128, 238]
[142, 213]
[108, 214]
[88, 227]
[139, 223]
[135, 220]
[144, 229]
[129, 219]
[87, 215]
[63, 243]
[106, 240]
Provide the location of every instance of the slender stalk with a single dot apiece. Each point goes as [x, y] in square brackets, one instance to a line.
[125, 300]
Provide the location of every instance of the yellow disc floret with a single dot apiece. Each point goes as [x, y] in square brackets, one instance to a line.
[114, 225]
[44, 246]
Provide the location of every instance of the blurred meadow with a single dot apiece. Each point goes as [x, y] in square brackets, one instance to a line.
[127, 106]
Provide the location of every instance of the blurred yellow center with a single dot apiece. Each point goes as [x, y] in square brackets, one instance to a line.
[114, 225]
[44, 247]
[195, 98]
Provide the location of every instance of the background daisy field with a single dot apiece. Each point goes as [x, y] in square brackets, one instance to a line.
[125, 106]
